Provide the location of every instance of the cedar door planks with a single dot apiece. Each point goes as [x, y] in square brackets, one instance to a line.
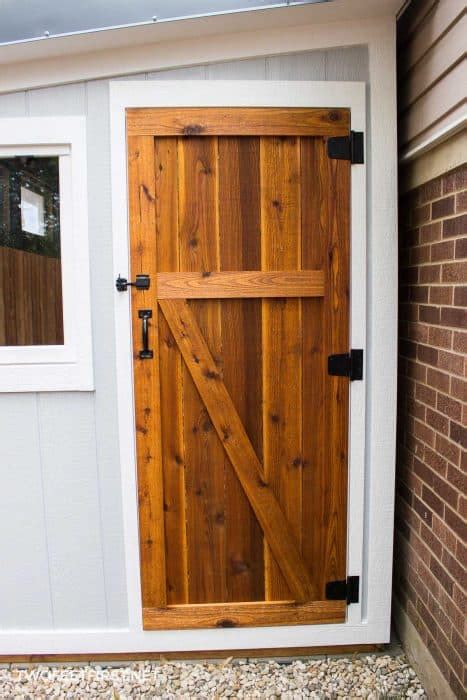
[204, 457]
[231, 432]
[240, 249]
[171, 372]
[325, 212]
[141, 185]
[246, 239]
[282, 362]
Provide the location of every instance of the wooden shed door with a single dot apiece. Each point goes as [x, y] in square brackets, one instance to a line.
[241, 220]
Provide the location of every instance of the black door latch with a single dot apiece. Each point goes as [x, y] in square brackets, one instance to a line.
[141, 282]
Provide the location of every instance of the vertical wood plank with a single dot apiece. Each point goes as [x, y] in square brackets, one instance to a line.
[142, 207]
[336, 326]
[170, 366]
[315, 223]
[282, 340]
[240, 249]
[205, 459]
[325, 228]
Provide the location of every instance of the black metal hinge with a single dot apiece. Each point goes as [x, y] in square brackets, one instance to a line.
[350, 364]
[347, 147]
[348, 589]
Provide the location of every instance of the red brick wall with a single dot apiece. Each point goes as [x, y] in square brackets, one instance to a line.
[430, 552]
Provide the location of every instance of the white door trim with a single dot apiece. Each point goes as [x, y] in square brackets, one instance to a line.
[240, 93]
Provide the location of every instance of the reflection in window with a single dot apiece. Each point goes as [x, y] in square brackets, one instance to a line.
[30, 267]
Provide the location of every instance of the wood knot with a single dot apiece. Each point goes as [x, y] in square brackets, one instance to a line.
[206, 274]
[147, 193]
[210, 374]
[276, 204]
[274, 418]
[238, 565]
[193, 243]
[220, 518]
[225, 623]
[192, 129]
[334, 116]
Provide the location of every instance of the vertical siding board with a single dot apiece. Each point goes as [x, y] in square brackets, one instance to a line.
[61, 100]
[24, 580]
[103, 334]
[189, 73]
[13, 104]
[349, 63]
[253, 69]
[302, 66]
[71, 498]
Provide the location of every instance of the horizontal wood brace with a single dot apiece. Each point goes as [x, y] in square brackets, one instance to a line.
[255, 614]
[245, 284]
[237, 121]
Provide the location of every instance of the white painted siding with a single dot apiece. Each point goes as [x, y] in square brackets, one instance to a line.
[62, 558]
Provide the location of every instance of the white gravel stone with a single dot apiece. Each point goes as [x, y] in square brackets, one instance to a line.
[373, 677]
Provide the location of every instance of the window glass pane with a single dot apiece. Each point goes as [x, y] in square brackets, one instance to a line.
[30, 267]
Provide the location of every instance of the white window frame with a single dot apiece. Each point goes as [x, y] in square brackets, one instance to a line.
[66, 367]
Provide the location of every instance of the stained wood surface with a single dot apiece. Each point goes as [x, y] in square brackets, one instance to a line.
[31, 310]
[237, 121]
[171, 374]
[282, 405]
[142, 207]
[246, 239]
[245, 615]
[242, 284]
[235, 441]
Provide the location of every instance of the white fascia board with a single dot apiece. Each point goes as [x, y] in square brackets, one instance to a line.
[113, 52]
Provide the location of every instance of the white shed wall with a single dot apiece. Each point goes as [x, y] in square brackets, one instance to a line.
[61, 549]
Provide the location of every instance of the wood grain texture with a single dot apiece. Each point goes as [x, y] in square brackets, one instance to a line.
[250, 270]
[171, 373]
[235, 441]
[204, 457]
[142, 207]
[244, 615]
[240, 249]
[282, 361]
[232, 121]
[241, 284]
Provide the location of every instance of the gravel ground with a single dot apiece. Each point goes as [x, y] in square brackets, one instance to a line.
[373, 677]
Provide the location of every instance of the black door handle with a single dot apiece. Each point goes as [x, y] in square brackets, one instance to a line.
[145, 353]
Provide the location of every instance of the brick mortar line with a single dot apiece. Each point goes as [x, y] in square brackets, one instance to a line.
[427, 425]
[443, 371]
[430, 446]
[432, 263]
[436, 557]
[457, 466]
